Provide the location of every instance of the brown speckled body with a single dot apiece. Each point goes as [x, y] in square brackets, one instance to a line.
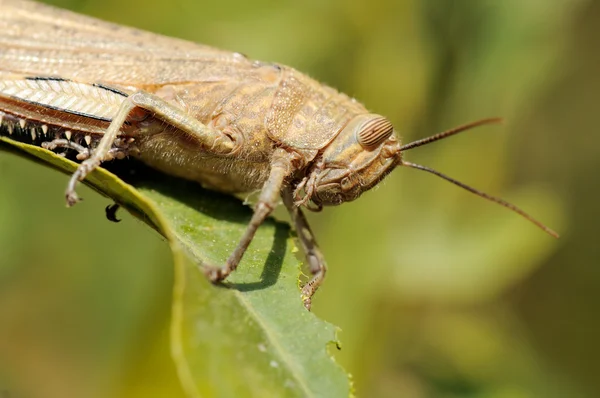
[266, 109]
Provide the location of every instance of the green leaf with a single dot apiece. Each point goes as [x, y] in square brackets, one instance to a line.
[249, 337]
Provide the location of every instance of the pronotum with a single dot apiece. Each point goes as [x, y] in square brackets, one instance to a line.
[230, 123]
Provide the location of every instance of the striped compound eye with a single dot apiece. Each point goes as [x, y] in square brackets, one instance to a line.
[374, 132]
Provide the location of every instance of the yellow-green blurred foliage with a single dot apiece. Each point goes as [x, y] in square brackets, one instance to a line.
[438, 293]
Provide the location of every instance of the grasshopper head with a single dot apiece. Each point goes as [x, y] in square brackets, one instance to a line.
[364, 152]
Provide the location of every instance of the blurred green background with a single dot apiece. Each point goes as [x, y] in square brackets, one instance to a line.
[438, 293]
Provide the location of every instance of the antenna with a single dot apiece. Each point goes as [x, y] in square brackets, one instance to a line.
[451, 132]
[477, 192]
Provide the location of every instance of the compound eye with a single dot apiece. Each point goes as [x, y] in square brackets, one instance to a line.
[374, 132]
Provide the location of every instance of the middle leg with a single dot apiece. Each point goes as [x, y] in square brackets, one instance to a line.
[269, 196]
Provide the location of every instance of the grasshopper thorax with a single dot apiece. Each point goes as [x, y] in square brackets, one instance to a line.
[360, 156]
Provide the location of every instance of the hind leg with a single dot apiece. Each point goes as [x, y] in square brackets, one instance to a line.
[214, 140]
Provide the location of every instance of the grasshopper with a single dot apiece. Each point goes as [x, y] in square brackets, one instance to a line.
[232, 124]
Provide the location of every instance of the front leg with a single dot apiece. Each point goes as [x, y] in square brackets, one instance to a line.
[314, 257]
[269, 196]
[211, 139]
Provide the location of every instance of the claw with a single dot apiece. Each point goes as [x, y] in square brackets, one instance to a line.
[111, 212]
[306, 297]
[307, 302]
[72, 198]
[214, 274]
